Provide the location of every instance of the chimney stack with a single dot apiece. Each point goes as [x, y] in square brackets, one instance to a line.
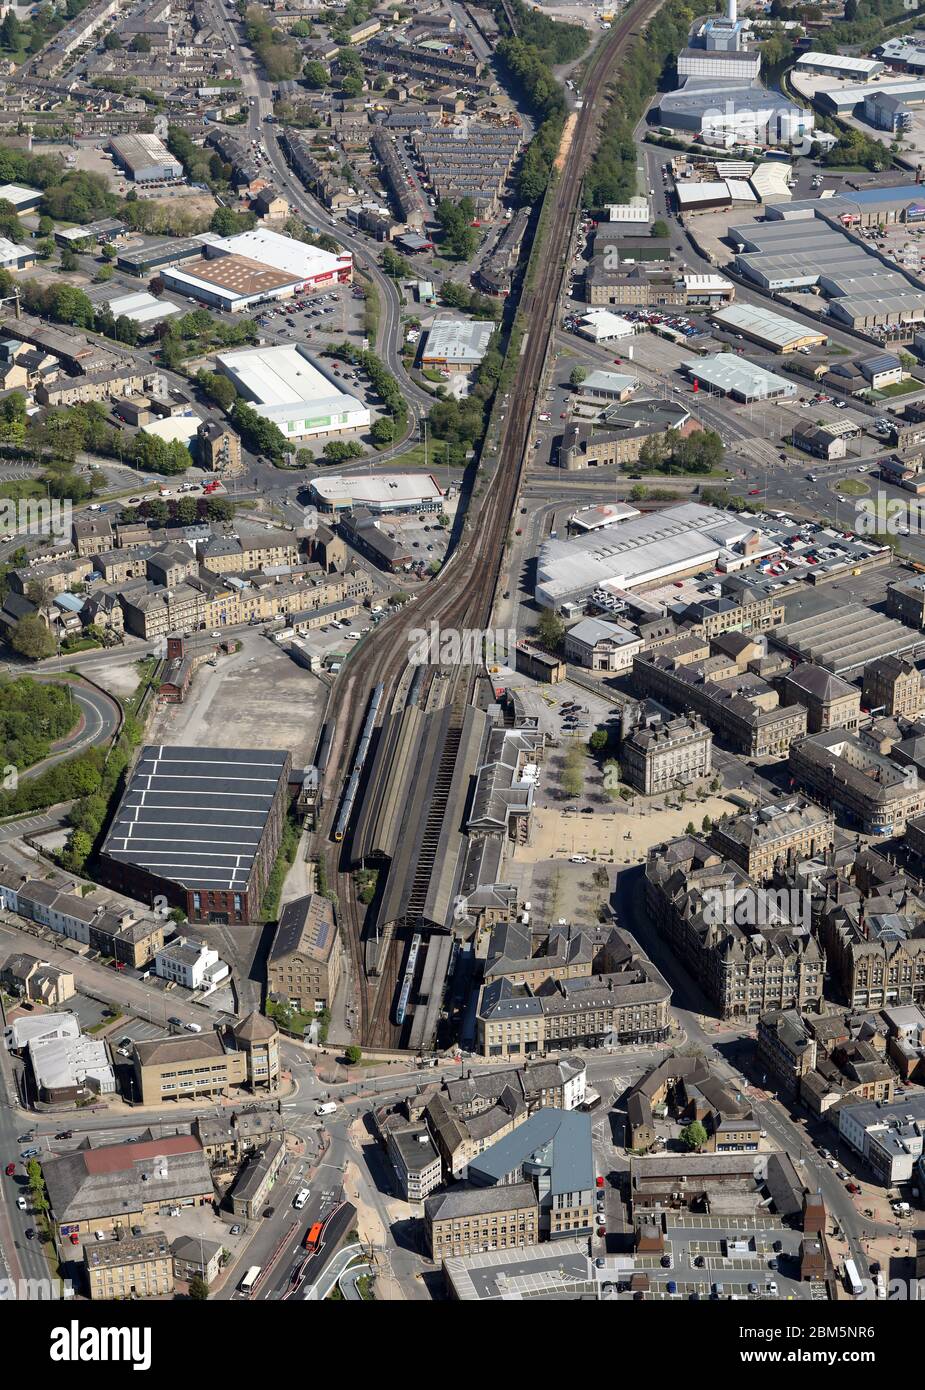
[733, 11]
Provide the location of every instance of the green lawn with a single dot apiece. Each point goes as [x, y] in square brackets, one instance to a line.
[852, 487]
[899, 388]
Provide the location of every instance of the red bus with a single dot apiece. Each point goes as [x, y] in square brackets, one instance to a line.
[313, 1237]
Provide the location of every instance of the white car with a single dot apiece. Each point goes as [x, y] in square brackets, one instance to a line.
[578, 859]
[21, 1203]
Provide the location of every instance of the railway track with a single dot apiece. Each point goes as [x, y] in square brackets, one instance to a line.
[462, 597]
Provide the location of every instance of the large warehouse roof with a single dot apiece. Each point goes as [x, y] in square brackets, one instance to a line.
[840, 62]
[457, 340]
[282, 382]
[768, 327]
[141, 307]
[845, 638]
[196, 815]
[727, 372]
[238, 276]
[294, 258]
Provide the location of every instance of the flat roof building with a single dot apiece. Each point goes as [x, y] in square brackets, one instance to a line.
[731, 376]
[377, 493]
[456, 344]
[285, 386]
[768, 329]
[145, 158]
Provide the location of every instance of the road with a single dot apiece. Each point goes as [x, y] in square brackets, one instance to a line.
[100, 719]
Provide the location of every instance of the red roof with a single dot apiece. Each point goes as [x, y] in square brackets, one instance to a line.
[115, 1158]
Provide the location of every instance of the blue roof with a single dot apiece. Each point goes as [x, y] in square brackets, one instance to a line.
[559, 1140]
[73, 602]
[915, 192]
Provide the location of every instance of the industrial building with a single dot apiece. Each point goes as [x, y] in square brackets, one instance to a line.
[730, 375]
[230, 283]
[15, 257]
[286, 387]
[660, 545]
[729, 66]
[243, 270]
[735, 112]
[23, 199]
[145, 159]
[456, 345]
[846, 65]
[601, 326]
[202, 826]
[141, 260]
[379, 493]
[768, 329]
[140, 307]
[845, 639]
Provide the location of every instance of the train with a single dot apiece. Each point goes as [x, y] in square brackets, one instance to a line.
[404, 995]
[359, 761]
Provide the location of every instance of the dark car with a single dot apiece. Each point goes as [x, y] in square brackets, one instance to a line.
[30, 1233]
[778, 1246]
[177, 1022]
[25, 1139]
[699, 1262]
[269, 1211]
[665, 1262]
[65, 1134]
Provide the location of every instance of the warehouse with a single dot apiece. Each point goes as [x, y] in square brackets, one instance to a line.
[141, 308]
[141, 260]
[845, 639]
[309, 267]
[749, 115]
[22, 199]
[456, 345]
[230, 283]
[733, 66]
[643, 550]
[839, 65]
[732, 376]
[202, 826]
[145, 159]
[14, 257]
[286, 387]
[879, 310]
[769, 330]
[379, 494]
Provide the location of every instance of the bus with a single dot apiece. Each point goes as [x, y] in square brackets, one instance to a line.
[247, 1284]
[852, 1281]
[313, 1237]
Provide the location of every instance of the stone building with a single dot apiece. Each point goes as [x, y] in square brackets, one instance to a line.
[666, 753]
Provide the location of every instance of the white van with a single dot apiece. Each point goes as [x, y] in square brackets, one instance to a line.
[301, 1198]
[326, 1108]
[193, 1027]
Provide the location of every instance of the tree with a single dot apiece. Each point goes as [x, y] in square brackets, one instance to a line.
[577, 376]
[315, 75]
[69, 261]
[598, 741]
[382, 431]
[10, 32]
[112, 41]
[140, 44]
[706, 825]
[32, 638]
[353, 1054]
[304, 458]
[550, 630]
[660, 228]
[198, 1288]
[693, 1136]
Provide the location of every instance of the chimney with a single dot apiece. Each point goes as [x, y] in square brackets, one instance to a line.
[733, 11]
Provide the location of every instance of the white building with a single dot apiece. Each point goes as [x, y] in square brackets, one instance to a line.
[67, 1064]
[635, 211]
[194, 965]
[601, 326]
[285, 386]
[379, 493]
[38, 1028]
[254, 267]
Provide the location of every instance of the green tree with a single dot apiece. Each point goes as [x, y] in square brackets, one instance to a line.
[32, 639]
[69, 261]
[198, 1288]
[382, 430]
[598, 740]
[140, 44]
[315, 75]
[550, 630]
[659, 228]
[353, 1054]
[577, 376]
[693, 1136]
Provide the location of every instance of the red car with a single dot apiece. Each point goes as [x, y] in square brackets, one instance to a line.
[600, 1182]
[754, 492]
[10, 1169]
[75, 1238]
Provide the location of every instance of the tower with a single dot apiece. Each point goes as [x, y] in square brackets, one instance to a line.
[732, 11]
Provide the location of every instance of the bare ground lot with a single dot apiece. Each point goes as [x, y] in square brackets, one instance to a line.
[257, 698]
